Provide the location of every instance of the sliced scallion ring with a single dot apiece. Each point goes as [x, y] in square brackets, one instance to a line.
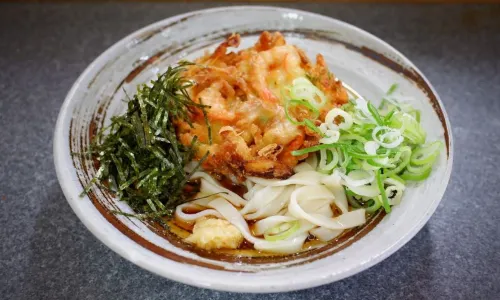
[332, 115]
[281, 231]
[409, 127]
[388, 137]
[332, 136]
[416, 176]
[394, 194]
[303, 89]
[426, 154]
[404, 161]
[357, 178]
[376, 204]
[351, 198]
[376, 152]
[418, 169]
[329, 158]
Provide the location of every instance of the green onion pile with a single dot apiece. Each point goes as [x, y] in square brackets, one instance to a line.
[374, 150]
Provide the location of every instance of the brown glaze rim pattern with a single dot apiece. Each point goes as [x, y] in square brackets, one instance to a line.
[317, 253]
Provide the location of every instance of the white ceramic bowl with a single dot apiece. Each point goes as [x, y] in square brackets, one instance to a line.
[361, 60]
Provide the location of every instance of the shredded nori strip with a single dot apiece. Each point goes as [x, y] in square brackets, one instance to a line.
[139, 156]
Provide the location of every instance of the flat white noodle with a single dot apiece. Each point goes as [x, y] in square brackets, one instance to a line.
[251, 191]
[305, 226]
[262, 198]
[274, 205]
[307, 196]
[317, 206]
[333, 183]
[189, 218]
[302, 178]
[302, 167]
[232, 215]
[249, 185]
[310, 164]
[204, 199]
[312, 160]
[292, 245]
[283, 211]
[323, 234]
[307, 193]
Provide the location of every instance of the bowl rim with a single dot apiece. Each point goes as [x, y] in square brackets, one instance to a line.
[68, 188]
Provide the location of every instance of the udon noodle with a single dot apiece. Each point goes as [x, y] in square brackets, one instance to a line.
[309, 202]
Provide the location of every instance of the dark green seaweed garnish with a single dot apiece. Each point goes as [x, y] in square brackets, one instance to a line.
[139, 156]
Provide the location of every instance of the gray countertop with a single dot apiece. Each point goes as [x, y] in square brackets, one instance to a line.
[47, 253]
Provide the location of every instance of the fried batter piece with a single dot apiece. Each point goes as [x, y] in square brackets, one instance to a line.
[251, 135]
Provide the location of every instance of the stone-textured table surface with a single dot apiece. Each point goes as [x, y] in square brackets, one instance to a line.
[46, 253]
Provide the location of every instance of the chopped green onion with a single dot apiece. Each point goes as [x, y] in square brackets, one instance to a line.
[304, 89]
[373, 111]
[405, 160]
[415, 114]
[418, 169]
[426, 154]
[387, 141]
[388, 117]
[352, 136]
[314, 149]
[397, 178]
[374, 206]
[329, 158]
[385, 200]
[409, 127]
[392, 89]
[416, 176]
[281, 231]
[311, 126]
